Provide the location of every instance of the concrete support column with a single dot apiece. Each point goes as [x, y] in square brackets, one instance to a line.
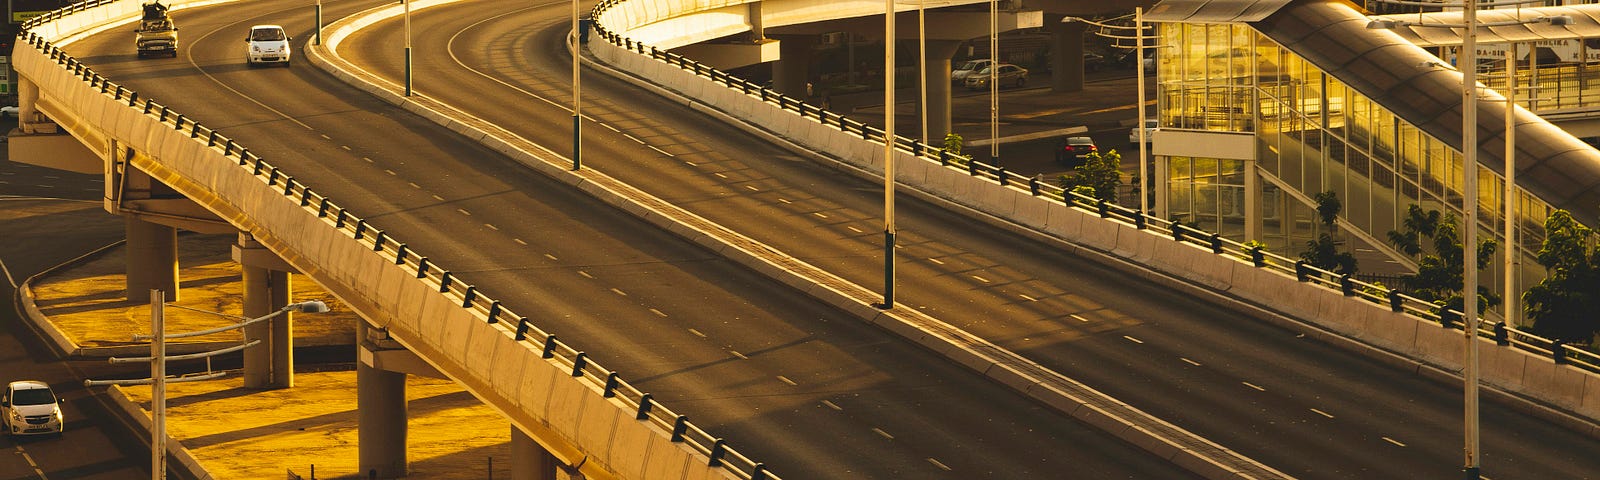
[1252, 202]
[381, 418]
[270, 364]
[152, 260]
[529, 460]
[792, 71]
[1066, 56]
[938, 80]
[27, 95]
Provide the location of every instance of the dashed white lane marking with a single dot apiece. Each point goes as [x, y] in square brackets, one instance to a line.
[981, 279]
[520, 242]
[1252, 385]
[31, 463]
[345, 147]
[631, 137]
[697, 333]
[414, 185]
[752, 188]
[784, 379]
[854, 229]
[785, 200]
[1188, 361]
[325, 137]
[1028, 298]
[882, 433]
[390, 172]
[737, 354]
[608, 126]
[367, 159]
[658, 313]
[663, 152]
[45, 186]
[1320, 412]
[719, 175]
[937, 464]
[1078, 317]
[585, 274]
[1131, 339]
[689, 163]
[52, 177]
[935, 260]
[549, 256]
[832, 405]
[491, 226]
[438, 198]
[820, 214]
[464, 212]
[1391, 440]
[619, 292]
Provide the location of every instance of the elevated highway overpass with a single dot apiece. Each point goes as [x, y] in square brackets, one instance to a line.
[962, 253]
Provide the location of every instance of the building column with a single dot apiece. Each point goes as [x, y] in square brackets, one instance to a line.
[937, 77]
[27, 95]
[152, 260]
[1253, 222]
[529, 460]
[266, 289]
[792, 72]
[1066, 56]
[381, 418]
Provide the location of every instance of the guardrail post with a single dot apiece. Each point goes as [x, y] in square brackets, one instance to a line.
[1177, 232]
[1257, 257]
[1447, 317]
[1347, 285]
[422, 267]
[1000, 173]
[322, 210]
[644, 407]
[1102, 208]
[1216, 243]
[1558, 351]
[549, 344]
[1033, 186]
[400, 255]
[338, 221]
[759, 473]
[444, 282]
[288, 185]
[494, 312]
[470, 295]
[944, 158]
[612, 382]
[679, 426]
[718, 448]
[361, 228]
[972, 167]
[1141, 223]
[1397, 304]
[377, 241]
[1302, 270]
[1501, 336]
[578, 363]
[522, 330]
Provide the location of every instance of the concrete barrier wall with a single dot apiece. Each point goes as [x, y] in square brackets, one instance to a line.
[567, 415]
[1568, 388]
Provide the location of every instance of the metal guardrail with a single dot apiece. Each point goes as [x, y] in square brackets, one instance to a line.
[466, 295]
[1396, 300]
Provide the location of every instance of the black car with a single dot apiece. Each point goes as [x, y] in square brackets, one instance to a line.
[1072, 151]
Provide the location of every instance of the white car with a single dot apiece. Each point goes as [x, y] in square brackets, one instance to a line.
[267, 44]
[1150, 126]
[30, 408]
[959, 75]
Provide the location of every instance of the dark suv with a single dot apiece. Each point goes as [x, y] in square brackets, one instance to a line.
[1072, 151]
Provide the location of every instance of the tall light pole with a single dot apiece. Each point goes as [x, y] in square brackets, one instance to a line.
[1144, 141]
[317, 39]
[994, 82]
[888, 155]
[577, 89]
[1511, 249]
[922, 68]
[407, 4]
[1469, 244]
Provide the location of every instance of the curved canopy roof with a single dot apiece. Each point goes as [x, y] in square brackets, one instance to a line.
[1498, 26]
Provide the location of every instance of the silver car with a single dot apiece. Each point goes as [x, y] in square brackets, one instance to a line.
[1007, 74]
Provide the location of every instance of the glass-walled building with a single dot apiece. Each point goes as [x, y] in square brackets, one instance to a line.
[1307, 133]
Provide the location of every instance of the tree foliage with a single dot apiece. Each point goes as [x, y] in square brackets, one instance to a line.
[1324, 251]
[1100, 172]
[1564, 305]
[1439, 278]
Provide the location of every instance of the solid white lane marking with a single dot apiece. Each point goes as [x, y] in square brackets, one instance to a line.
[937, 464]
[854, 229]
[614, 129]
[1252, 385]
[1131, 339]
[1188, 361]
[464, 212]
[658, 313]
[491, 225]
[981, 279]
[882, 433]
[1028, 298]
[1320, 412]
[697, 333]
[619, 292]
[787, 380]
[832, 405]
[585, 274]
[737, 354]
[1391, 440]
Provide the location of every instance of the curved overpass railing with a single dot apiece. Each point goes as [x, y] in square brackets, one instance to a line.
[713, 451]
[1396, 300]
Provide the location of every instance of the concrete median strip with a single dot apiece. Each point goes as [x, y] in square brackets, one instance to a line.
[983, 357]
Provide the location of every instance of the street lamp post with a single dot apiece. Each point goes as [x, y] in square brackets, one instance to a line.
[407, 4]
[158, 366]
[1511, 248]
[994, 82]
[888, 155]
[577, 98]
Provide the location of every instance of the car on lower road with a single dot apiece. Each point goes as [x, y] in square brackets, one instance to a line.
[1007, 74]
[1072, 150]
[29, 407]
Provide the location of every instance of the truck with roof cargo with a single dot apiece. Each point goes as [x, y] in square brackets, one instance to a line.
[156, 35]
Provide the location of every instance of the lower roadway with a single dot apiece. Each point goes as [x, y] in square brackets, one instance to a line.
[805, 388]
[1303, 407]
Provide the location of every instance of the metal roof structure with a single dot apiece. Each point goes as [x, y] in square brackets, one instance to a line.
[1212, 11]
[1498, 25]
